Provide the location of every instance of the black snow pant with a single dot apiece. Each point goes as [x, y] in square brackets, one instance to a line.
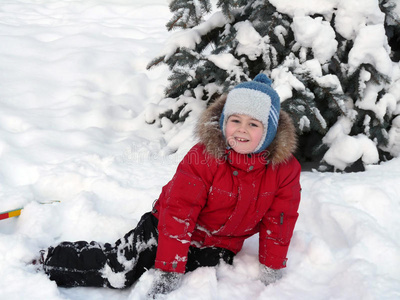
[119, 265]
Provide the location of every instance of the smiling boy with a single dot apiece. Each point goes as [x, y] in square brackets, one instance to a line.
[243, 133]
[241, 179]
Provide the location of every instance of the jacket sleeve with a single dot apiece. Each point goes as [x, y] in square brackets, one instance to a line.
[179, 206]
[277, 226]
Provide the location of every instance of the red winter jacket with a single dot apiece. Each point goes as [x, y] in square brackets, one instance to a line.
[219, 197]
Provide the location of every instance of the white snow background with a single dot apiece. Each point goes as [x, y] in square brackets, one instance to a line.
[74, 94]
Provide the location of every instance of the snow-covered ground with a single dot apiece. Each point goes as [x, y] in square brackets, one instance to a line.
[73, 96]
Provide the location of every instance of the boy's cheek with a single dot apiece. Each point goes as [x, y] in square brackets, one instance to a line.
[231, 142]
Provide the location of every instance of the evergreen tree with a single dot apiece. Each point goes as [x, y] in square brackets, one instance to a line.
[392, 27]
[333, 99]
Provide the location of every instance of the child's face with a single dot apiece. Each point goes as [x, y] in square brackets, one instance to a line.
[243, 133]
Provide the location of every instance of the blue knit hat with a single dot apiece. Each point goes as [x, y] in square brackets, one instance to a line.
[258, 100]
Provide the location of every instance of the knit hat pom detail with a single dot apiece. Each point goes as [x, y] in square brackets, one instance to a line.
[263, 79]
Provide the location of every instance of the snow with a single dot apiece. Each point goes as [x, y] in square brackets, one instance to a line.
[284, 81]
[249, 40]
[371, 46]
[347, 149]
[387, 103]
[316, 34]
[394, 133]
[363, 23]
[351, 15]
[305, 7]
[225, 61]
[190, 37]
[344, 149]
[74, 100]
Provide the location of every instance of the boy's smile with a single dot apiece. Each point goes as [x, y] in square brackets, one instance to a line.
[243, 133]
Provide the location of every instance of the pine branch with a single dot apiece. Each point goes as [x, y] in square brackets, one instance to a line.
[155, 62]
[170, 25]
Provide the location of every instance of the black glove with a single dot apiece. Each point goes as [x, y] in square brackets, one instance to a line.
[164, 283]
[269, 275]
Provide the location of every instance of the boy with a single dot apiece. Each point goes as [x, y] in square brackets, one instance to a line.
[239, 180]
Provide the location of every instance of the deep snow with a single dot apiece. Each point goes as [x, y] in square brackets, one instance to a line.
[74, 95]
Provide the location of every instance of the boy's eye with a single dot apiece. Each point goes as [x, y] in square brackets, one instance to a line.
[253, 124]
[234, 120]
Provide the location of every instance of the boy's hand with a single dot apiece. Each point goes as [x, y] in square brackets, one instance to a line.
[164, 283]
[269, 275]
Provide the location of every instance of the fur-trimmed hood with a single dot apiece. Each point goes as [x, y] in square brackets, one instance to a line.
[210, 134]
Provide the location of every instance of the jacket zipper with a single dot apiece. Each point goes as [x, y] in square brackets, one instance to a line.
[281, 219]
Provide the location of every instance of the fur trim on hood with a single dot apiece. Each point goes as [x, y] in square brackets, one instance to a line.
[210, 134]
